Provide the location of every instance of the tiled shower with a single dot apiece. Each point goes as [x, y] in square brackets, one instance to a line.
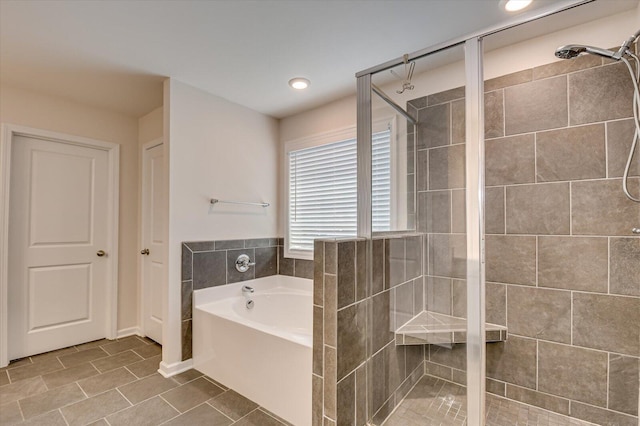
[562, 267]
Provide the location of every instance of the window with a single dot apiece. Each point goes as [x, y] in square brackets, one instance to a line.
[322, 188]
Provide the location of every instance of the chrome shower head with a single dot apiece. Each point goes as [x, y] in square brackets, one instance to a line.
[572, 50]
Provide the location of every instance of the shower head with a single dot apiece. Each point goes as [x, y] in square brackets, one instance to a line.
[572, 50]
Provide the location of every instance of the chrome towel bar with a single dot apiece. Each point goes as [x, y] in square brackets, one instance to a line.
[216, 201]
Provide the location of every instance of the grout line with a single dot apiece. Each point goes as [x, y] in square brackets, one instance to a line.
[609, 265]
[125, 398]
[606, 149]
[571, 319]
[170, 405]
[207, 402]
[63, 417]
[608, 374]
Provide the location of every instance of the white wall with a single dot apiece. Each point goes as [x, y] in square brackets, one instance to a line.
[32, 109]
[215, 149]
[150, 126]
[606, 32]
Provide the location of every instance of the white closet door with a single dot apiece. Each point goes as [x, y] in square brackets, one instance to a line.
[58, 233]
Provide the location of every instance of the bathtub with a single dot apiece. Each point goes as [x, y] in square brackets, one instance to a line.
[263, 353]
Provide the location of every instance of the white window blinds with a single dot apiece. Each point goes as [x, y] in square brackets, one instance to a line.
[323, 191]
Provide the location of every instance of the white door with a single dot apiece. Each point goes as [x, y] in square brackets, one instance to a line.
[153, 220]
[58, 231]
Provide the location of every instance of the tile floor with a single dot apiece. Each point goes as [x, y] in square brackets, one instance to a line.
[436, 402]
[115, 382]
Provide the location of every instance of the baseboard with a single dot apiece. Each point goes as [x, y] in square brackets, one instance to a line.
[168, 370]
[131, 331]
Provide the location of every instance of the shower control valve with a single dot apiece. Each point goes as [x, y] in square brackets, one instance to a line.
[243, 263]
[636, 231]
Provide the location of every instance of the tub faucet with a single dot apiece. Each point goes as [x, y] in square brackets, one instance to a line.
[246, 290]
[243, 263]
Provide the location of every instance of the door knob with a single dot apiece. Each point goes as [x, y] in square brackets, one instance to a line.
[101, 253]
[145, 251]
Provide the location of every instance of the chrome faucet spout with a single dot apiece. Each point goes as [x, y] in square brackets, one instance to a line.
[247, 289]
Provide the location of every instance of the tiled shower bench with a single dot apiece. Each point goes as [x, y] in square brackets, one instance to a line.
[432, 328]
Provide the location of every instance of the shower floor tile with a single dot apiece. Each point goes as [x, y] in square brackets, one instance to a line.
[100, 378]
[436, 402]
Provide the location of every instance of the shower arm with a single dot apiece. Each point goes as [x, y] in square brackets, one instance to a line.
[393, 105]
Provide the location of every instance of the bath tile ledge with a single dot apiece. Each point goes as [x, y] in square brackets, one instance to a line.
[432, 328]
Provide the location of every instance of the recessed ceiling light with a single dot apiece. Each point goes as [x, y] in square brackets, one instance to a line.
[299, 83]
[516, 5]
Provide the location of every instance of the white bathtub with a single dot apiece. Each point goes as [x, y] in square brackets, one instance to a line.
[263, 353]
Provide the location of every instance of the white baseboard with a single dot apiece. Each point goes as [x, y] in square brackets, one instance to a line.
[168, 370]
[131, 331]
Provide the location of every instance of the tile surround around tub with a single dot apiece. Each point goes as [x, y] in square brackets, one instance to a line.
[212, 263]
[359, 374]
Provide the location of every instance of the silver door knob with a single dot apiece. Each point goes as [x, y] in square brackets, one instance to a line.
[145, 252]
[101, 253]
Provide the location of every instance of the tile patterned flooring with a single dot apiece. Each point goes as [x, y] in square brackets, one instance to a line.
[115, 382]
[436, 402]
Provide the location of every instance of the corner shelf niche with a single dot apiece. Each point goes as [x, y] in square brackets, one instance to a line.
[432, 328]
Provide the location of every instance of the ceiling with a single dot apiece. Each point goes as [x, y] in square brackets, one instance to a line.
[115, 54]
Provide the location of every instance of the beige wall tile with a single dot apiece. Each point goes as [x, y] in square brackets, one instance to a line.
[395, 260]
[318, 339]
[494, 114]
[538, 209]
[494, 210]
[539, 313]
[330, 311]
[609, 85]
[601, 416]
[625, 266]
[446, 96]
[577, 263]
[454, 357]
[447, 255]
[619, 139]
[458, 123]
[496, 303]
[510, 160]
[507, 80]
[566, 67]
[351, 338]
[438, 294]
[318, 272]
[433, 126]
[573, 373]
[513, 361]
[571, 154]
[511, 259]
[624, 381]
[381, 321]
[346, 273]
[539, 399]
[346, 409]
[538, 105]
[446, 167]
[609, 323]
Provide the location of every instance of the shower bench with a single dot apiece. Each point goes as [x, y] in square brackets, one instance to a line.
[432, 328]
